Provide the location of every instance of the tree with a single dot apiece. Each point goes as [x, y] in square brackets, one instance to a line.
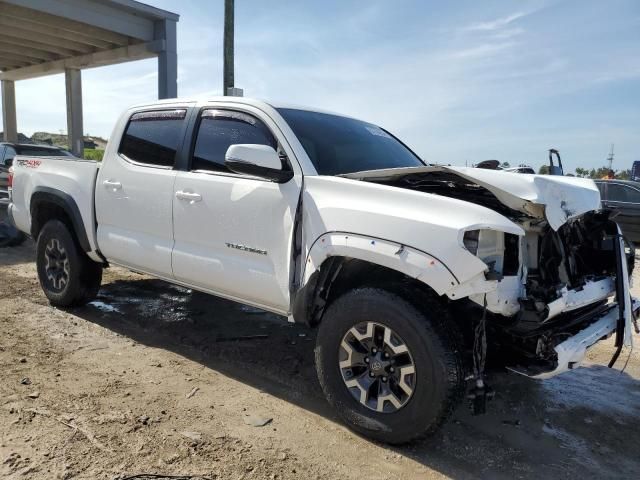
[624, 174]
[602, 172]
[505, 165]
[544, 170]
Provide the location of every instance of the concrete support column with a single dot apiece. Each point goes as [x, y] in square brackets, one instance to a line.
[9, 122]
[167, 60]
[73, 81]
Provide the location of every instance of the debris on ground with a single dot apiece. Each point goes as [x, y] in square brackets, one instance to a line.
[193, 391]
[256, 421]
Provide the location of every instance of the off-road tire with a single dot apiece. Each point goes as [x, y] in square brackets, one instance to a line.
[83, 274]
[433, 342]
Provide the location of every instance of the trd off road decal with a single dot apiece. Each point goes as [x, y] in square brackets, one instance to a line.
[29, 163]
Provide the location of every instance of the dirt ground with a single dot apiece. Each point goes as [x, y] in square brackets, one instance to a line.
[157, 379]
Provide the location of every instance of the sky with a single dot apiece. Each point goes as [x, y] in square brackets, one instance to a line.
[459, 82]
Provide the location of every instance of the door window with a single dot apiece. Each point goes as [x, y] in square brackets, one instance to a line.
[218, 130]
[623, 193]
[153, 137]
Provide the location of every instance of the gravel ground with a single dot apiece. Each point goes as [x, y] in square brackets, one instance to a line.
[156, 379]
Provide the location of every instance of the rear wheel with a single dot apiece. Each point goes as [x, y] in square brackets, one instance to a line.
[67, 276]
[392, 371]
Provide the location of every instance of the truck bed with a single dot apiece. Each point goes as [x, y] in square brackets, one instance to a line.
[65, 176]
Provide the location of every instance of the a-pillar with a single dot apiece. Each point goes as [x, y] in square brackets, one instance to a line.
[73, 81]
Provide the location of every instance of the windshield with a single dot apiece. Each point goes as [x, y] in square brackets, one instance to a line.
[338, 145]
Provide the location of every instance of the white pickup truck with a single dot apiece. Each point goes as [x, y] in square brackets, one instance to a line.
[411, 272]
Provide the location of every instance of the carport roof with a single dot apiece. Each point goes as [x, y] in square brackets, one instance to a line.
[43, 37]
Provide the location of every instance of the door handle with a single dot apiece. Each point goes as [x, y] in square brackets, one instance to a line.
[112, 184]
[190, 197]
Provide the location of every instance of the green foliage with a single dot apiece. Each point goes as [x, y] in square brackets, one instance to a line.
[602, 172]
[544, 170]
[93, 154]
[505, 165]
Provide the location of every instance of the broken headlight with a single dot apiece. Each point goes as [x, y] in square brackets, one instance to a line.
[471, 240]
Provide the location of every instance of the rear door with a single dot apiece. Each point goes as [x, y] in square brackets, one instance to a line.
[233, 233]
[134, 191]
[625, 200]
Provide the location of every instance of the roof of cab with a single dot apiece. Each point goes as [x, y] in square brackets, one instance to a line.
[255, 102]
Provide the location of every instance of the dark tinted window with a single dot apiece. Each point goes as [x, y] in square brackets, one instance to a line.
[219, 129]
[622, 193]
[338, 145]
[153, 137]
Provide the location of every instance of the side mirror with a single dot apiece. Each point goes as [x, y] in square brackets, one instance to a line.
[258, 161]
[8, 162]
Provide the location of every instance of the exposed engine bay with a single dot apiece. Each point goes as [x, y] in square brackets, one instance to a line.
[548, 284]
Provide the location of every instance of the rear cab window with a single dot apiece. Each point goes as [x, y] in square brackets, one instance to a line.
[153, 137]
[218, 130]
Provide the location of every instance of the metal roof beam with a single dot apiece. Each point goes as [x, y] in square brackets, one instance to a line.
[38, 28]
[18, 58]
[26, 51]
[10, 29]
[40, 46]
[126, 17]
[10, 65]
[98, 59]
[47, 20]
[70, 41]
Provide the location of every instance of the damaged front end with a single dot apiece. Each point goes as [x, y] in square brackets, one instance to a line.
[572, 283]
[549, 294]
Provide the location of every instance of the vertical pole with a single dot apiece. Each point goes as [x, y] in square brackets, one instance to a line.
[228, 81]
[167, 59]
[73, 82]
[9, 123]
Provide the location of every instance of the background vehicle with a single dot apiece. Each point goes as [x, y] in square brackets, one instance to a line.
[495, 165]
[335, 223]
[520, 169]
[9, 150]
[623, 196]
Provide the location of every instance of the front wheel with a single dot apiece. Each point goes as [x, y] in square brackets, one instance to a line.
[392, 371]
[67, 276]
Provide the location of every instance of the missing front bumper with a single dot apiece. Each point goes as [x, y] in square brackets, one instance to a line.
[571, 352]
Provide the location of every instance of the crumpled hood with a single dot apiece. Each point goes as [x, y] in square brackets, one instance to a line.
[555, 198]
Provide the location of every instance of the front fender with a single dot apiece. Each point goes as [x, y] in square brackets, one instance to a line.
[402, 258]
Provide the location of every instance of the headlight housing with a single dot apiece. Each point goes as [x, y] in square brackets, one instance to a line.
[499, 250]
[471, 240]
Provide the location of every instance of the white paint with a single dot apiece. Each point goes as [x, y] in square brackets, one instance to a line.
[572, 351]
[589, 293]
[555, 198]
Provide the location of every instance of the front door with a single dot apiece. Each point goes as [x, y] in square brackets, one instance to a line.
[233, 233]
[134, 192]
